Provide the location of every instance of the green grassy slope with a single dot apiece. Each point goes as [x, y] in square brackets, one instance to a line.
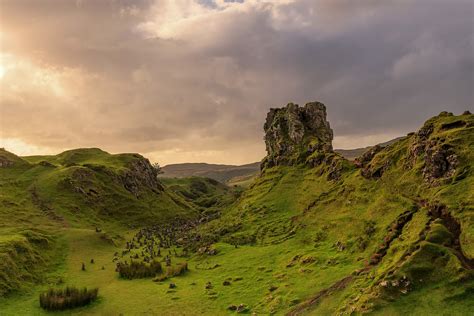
[349, 229]
[385, 238]
[207, 195]
[42, 198]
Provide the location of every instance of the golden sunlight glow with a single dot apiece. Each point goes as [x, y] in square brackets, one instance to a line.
[21, 148]
[2, 71]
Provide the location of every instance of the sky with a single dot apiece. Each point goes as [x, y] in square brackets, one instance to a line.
[192, 80]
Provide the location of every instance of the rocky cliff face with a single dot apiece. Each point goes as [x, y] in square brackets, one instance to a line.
[438, 155]
[140, 174]
[295, 134]
[431, 150]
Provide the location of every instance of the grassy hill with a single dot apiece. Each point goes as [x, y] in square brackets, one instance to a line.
[393, 242]
[207, 195]
[389, 234]
[44, 197]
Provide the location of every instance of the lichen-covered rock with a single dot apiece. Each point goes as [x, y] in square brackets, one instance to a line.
[440, 162]
[295, 134]
[419, 143]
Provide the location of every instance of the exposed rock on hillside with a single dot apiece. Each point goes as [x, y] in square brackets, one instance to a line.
[440, 162]
[430, 150]
[137, 175]
[439, 159]
[367, 156]
[141, 173]
[296, 134]
[365, 163]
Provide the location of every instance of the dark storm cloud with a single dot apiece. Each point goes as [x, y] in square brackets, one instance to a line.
[192, 80]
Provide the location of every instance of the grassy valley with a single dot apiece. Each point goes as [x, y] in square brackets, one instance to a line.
[390, 233]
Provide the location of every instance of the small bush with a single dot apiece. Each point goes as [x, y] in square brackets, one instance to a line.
[177, 270]
[172, 272]
[70, 297]
[139, 270]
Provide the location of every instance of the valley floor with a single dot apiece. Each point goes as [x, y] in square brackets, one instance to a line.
[252, 272]
[264, 278]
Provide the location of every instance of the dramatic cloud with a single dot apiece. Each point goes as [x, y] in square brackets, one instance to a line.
[192, 80]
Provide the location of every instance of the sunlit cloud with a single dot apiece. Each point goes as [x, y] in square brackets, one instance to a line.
[19, 147]
[183, 80]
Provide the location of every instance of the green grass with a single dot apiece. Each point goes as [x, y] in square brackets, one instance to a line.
[291, 235]
[94, 156]
[259, 268]
[207, 195]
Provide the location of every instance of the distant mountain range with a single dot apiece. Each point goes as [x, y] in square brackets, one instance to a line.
[352, 154]
[221, 173]
[232, 174]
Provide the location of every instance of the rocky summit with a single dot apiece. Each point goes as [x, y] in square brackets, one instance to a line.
[295, 134]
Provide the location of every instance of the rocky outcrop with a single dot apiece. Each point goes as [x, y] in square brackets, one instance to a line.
[363, 160]
[139, 174]
[295, 134]
[440, 162]
[371, 170]
[439, 159]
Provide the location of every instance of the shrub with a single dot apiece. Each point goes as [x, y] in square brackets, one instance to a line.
[173, 271]
[138, 270]
[177, 270]
[70, 297]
